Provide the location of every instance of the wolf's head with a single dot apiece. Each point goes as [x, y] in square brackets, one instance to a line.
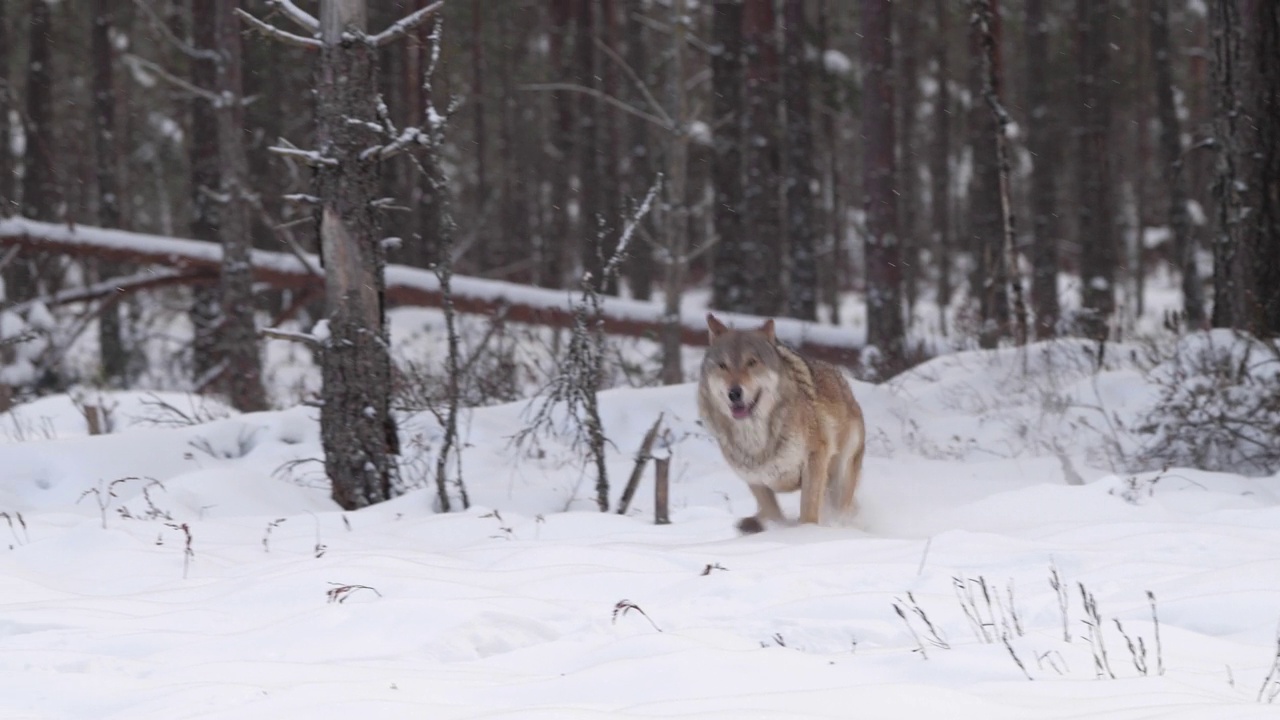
[741, 370]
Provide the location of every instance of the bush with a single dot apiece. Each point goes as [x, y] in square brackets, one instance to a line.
[1218, 406]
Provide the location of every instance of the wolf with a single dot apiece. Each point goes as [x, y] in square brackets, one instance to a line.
[784, 423]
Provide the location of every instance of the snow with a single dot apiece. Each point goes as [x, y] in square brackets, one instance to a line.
[532, 605]
[836, 62]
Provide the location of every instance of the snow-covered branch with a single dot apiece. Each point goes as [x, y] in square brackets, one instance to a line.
[403, 26]
[300, 17]
[414, 286]
[310, 157]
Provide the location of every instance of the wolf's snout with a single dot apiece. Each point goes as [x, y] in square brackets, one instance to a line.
[735, 394]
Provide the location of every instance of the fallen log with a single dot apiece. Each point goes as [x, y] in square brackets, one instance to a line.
[410, 286]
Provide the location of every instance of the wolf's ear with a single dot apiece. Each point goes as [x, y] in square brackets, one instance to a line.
[767, 329]
[716, 327]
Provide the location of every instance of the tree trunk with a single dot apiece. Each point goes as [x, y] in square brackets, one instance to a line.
[987, 21]
[1040, 145]
[205, 182]
[39, 185]
[241, 377]
[114, 359]
[356, 427]
[831, 260]
[940, 161]
[1266, 171]
[8, 202]
[908, 54]
[762, 256]
[1228, 109]
[729, 286]
[486, 258]
[640, 166]
[591, 231]
[986, 227]
[1098, 242]
[519, 216]
[802, 236]
[676, 218]
[557, 254]
[885, 329]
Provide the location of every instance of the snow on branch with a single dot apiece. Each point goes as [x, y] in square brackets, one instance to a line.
[299, 16]
[418, 287]
[403, 26]
[276, 33]
[310, 157]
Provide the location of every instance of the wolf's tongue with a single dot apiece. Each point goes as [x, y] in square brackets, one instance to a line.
[740, 411]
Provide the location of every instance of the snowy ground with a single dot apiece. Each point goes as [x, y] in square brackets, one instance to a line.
[532, 605]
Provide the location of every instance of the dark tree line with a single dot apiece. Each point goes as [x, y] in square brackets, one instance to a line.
[924, 155]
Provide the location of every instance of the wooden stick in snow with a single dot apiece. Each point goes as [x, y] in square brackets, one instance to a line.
[642, 458]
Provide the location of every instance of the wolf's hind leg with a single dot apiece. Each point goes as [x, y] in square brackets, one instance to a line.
[813, 485]
[849, 485]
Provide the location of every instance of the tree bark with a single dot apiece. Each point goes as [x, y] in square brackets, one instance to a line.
[1172, 166]
[940, 160]
[987, 22]
[1266, 172]
[986, 227]
[1098, 241]
[241, 376]
[763, 253]
[591, 230]
[885, 328]
[1040, 145]
[113, 358]
[831, 267]
[206, 179]
[610, 143]
[729, 286]
[640, 166]
[802, 236]
[907, 64]
[487, 259]
[39, 184]
[557, 252]
[8, 202]
[676, 218]
[356, 427]
[1228, 111]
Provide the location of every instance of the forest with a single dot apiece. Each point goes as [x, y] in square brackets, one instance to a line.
[917, 176]
[356, 359]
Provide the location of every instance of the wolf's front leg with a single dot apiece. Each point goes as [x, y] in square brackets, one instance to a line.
[767, 510]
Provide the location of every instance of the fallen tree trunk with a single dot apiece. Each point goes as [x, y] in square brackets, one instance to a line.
[405, 286]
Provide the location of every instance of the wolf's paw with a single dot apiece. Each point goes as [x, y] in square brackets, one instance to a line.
[750, 525]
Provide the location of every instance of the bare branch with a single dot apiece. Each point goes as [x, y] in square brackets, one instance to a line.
[181, 45]
[117, 287]
[311, 341]
[299, 16]
[401, 27]
[276, 33]
[605, 97]
[160, 72]
[635, 78]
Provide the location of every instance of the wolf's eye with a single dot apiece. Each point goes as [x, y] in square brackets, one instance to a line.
[724, 367]
[751, 362]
